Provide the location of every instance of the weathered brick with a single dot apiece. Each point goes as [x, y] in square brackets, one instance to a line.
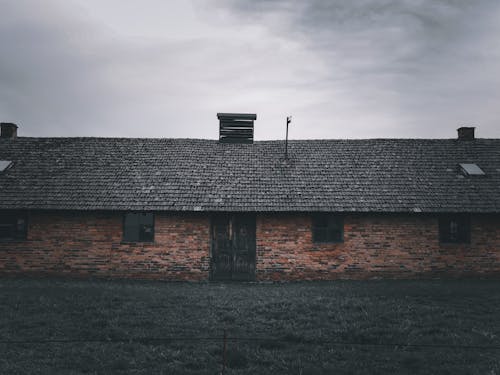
[80, 244]
[375, 246]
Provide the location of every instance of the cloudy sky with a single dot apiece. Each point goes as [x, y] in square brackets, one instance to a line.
[342, 69]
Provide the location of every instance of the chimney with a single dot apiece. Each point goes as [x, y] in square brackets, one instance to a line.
[8, 130]
[465, 134]
[236, 127]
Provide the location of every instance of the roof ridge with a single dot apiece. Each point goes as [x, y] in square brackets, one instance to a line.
[255, 141]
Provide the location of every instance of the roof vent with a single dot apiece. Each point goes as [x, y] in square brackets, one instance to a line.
[4, 164]
[236, 127]
[470, 169]
[8, 130]
[465, 134]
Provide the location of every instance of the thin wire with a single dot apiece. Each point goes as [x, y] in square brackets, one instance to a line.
[179, 338]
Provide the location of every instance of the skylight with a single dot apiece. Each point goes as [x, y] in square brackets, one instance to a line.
[471, 169]
[4, 164]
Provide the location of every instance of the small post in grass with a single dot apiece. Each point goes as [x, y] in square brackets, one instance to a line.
[224, 352]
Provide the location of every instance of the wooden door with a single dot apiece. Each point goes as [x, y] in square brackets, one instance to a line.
[233, 247]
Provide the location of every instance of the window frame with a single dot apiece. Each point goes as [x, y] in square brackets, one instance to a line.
[127, 239]
[464, 229]
[19, 235]
[330, 218]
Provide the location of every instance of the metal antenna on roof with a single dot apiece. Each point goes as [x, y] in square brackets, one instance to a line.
[288, 121]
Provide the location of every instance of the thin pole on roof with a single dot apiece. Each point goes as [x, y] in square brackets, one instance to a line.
[288, 121]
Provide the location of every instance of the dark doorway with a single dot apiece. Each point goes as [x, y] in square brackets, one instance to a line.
[233, 247]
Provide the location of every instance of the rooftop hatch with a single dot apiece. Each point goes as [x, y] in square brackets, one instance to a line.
[4, 164]
[471, 169]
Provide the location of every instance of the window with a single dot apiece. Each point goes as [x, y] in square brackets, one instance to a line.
[469, 169]
[138, 227]
[4, 164]
[328, 228]
[454, 229]
[13, 226]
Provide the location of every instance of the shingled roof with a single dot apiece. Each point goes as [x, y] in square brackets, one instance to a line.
[375, 175]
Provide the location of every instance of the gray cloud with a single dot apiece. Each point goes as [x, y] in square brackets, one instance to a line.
[410, 68]
[50, 79]
[372, 69]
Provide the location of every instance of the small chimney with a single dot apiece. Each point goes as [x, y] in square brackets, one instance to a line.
[236, 127]
[465, 134]
[8, 130]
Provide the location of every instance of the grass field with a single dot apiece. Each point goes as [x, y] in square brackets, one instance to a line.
[298, 328]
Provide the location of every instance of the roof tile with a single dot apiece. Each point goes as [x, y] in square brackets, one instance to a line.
[381, 175]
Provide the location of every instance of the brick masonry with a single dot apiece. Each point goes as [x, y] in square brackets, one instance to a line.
[375, 246]
[90, 244]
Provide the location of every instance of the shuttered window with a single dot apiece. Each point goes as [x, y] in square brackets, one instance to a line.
[328, 228]
[454, 229]
[138, 227]
[13, 226]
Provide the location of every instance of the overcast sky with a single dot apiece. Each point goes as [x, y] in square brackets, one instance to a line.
[342, 69]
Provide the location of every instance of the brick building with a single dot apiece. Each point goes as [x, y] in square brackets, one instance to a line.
[192, 209]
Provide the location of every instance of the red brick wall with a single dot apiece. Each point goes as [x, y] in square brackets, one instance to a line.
[375, 246]
[394, 246]
[80, 244]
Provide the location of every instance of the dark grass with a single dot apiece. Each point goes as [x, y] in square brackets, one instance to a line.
[298, 328]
